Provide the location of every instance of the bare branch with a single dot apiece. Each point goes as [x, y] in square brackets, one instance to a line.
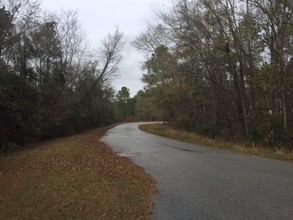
[152, 38]
[110, 55]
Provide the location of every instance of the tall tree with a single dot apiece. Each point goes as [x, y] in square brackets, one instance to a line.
[232, 66]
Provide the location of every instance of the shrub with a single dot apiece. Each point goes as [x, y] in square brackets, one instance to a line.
[18, 109]
[183, 121]
[276, 135]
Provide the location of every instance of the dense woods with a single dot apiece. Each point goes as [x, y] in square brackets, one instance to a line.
[223, 68]
[51, 82]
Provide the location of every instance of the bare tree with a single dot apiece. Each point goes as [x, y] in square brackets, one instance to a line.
[101, 70]
[74, 45]
[72, 37]
[110, 55]
[25, 14]
[153, 37]
[18, 20]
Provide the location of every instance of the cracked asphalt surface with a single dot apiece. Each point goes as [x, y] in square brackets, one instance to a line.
[198, 182]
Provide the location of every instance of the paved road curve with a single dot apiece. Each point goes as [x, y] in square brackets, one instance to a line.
[196, 182]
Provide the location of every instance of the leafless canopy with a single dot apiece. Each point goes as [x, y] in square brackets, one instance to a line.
[153, 37]
[110, 55]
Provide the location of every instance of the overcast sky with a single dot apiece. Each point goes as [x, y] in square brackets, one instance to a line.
[100, 17]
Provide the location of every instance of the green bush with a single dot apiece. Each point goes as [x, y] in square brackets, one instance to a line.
[276, 136]
[183, 121]
[208, 129]
[9, 147]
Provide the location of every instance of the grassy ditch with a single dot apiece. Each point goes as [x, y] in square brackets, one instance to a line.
[171, 132]
[76, 177]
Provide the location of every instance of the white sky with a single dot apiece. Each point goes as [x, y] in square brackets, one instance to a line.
[100, 17]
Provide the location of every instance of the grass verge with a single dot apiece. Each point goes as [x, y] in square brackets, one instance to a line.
[190, 137]
[76, 177]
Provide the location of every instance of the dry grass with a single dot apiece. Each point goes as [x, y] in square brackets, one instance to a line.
[76, 177]
[168, 131]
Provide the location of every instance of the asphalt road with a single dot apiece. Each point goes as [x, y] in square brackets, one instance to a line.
[197, 182]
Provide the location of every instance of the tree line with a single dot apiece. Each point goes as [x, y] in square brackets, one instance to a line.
[51, 82]
[222, 68]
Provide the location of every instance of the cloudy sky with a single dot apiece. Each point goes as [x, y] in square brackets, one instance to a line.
[100, 17]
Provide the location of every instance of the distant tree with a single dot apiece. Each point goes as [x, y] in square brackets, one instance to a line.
[124, 104]
[145, 107]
